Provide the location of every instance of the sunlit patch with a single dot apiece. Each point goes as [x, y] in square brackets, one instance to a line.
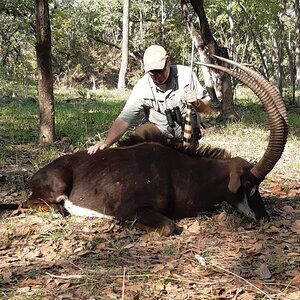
[76, 210]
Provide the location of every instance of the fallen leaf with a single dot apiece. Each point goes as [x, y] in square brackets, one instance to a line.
[201, 260]
[107, 227]
[6, 276]
[79, 249]
[129, 246]
[288, 209]
[293, 254]
[293, 193]
[49, 285]
[256, 248]
[64, 287]
[295, 280]
[48, 251]
[23, 290]
[194, 228]
[32, 282]
[157, 268]
[263, 272]
[100, 246]
[272, 229]
[222, 217]
[246, 296]
[296, 227]
[133, 287]
[292, 273]
[292, 296]
[33, 254]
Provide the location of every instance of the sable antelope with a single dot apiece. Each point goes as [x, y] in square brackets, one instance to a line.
[154, 183]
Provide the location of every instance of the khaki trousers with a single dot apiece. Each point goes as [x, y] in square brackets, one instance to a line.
[148, 132]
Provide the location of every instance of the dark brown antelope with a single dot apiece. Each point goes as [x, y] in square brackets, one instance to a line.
[154, 183]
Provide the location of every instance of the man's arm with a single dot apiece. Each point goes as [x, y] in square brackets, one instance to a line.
[203, 105]
[116, 131]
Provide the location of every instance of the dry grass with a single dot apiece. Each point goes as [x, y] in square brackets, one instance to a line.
[250, 143]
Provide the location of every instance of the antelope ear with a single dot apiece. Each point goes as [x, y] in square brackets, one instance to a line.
[234, 181]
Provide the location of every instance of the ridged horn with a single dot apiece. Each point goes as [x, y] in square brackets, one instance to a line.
[274, 106]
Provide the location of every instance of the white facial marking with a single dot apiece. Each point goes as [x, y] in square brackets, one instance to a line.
[61, 198]
[244, 208]
[76, 210]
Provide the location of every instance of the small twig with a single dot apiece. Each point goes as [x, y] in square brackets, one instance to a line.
[231, 273]
[174, 277]
[287, 285]
[123, 284]
[65, 277]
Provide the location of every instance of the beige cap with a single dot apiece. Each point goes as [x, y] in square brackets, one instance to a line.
[154, 58]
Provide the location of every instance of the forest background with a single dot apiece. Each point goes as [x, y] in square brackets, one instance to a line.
[87, 39]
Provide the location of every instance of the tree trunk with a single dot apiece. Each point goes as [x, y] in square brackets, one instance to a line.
[280, 68]
[280, 53]
[297, 11]
[162, 35]
[124, 60]
[203, 53]
[218, 86]
[260, 44]
[231, 26]
[45, 77]
[289, 51]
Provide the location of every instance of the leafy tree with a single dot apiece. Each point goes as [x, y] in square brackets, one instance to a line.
[16, 40]
[87, 37]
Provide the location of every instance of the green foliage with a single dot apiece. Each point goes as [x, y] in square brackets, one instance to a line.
[86, 36]
[19, 122]
[294, 119]
[255, 24]
[16, 41]
[79, 120]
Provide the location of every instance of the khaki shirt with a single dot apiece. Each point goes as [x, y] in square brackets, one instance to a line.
[146, 94]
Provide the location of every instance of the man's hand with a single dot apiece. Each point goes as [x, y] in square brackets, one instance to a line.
[98, 146]
[191, 97]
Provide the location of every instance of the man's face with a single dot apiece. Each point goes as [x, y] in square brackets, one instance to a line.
[159, 77]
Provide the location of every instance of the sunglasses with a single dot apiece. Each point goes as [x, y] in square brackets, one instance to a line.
[158, 72]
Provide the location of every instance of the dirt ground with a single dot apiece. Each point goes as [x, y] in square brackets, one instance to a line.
[220, 255]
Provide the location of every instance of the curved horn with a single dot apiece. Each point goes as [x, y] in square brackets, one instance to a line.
[275, 109]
